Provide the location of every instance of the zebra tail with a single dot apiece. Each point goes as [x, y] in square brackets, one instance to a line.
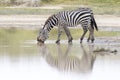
[94, 22]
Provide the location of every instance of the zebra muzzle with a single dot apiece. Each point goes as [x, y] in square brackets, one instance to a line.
[39, 40]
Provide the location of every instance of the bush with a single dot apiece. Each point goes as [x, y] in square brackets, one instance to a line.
[20, 2]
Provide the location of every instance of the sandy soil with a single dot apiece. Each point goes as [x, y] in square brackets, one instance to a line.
[35, 21]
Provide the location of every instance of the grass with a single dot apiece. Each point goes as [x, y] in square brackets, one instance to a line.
[76, 33]
[25, 11]
[100, 10]
[109, 7]
[80, 1]
[16, 36]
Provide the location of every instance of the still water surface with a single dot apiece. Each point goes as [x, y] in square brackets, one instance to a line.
[22, 58]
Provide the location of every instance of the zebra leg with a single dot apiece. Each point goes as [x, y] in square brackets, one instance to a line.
[67, 31]
[59, 34]
[85, 31]
[88, 38]
[91, 34]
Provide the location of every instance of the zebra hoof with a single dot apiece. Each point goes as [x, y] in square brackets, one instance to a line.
[80, 41]
[88, 40]
[70, 41]
[58, 42]
[92, 41]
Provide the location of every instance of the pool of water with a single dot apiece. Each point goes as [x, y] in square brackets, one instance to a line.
[22, 58]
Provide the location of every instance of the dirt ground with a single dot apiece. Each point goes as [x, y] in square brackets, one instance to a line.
[35, 21]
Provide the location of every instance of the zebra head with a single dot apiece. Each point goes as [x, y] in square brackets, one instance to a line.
[43, 35]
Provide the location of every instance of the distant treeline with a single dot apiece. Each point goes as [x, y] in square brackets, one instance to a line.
[41, 2]
[79, 1]
[20, 2]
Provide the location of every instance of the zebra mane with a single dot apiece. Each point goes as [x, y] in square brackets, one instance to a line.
[48, 20]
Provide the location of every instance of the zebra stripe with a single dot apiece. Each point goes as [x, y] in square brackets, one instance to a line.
[71, 18]
[83, 16]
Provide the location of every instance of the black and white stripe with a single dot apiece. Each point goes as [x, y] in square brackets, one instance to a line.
[64, 19]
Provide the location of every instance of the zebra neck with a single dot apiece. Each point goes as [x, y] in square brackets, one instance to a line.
[49, 28]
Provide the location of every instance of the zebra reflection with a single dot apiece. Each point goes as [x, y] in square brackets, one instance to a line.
[64, 61]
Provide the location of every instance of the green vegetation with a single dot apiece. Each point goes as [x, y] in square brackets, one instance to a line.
[25, 11]
[111, 7]
[80, 1]
[99, 9]
[17, 35]
[99, 6]
[77, 35]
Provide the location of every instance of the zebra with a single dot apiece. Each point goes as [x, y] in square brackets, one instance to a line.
[72, 18]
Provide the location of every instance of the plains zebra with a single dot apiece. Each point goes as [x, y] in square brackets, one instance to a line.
[65, 19]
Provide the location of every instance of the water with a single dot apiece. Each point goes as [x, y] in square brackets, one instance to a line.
[22, 58]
